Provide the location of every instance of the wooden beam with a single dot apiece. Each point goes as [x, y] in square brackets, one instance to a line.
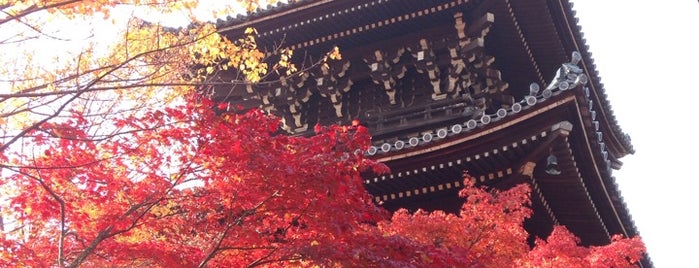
[481, 26]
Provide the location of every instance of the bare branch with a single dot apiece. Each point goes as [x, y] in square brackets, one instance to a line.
[33, 9]
[62, 205]
[248, 212]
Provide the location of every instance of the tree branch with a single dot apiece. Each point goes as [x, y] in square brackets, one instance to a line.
[62, 209]
[34, 8]
[237, 221]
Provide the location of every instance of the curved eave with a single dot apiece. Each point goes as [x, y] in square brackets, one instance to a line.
[550, 33]
[596, 171]
[267, 14]
[326, 23]
[491, 152]
[573, 38]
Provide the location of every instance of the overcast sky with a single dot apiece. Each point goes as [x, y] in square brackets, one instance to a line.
[646, 53]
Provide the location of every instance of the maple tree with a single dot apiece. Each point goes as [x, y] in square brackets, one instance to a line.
[115, 157]
[489, 230]
[141, 65]
[127, 201]
[193, 188]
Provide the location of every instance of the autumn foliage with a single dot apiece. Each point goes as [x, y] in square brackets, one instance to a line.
[193, 188]
[117, 158]
[189, 188]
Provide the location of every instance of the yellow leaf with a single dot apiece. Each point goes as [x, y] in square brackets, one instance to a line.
[335, 54]
[250, 30]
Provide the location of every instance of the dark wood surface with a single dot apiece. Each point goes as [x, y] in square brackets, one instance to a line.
[506, 45]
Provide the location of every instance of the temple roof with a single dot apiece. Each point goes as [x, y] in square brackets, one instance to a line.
[543, 40]
[525, 43]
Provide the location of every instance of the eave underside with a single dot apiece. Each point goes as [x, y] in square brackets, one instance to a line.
[529, 38]
[577, 198]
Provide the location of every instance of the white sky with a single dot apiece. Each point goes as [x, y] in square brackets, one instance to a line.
[646, 53]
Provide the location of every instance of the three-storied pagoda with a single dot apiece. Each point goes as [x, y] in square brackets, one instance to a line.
[503, 89]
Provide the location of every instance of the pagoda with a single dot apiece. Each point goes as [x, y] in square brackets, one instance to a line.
[504, 90]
